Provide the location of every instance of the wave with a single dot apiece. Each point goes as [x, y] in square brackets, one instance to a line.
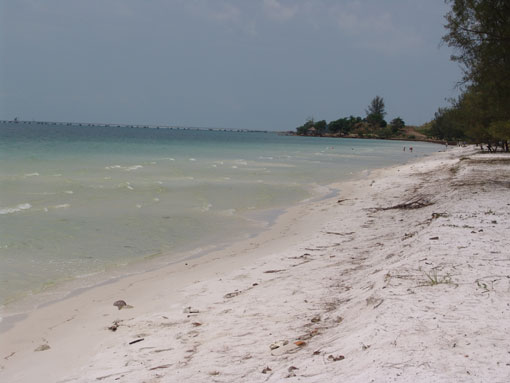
[20, 207]
[126, 185]
[206, 207]
[61, 206]
[126, 168]
[134, 167]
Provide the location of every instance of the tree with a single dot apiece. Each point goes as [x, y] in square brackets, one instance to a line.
[320, 127]
[303, 129]
[343, 125]
[376, 107]
[441, 124]
[338, 126]
[397, 125]
[479, 31]
[311, 127]
[375, 112]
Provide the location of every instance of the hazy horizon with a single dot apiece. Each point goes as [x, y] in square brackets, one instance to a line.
[257, 65]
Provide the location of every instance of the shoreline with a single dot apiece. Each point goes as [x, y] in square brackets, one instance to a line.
[65, 254]
[273, 222]
[187, 268]
[19, 308]
[268, 219]
[404, 139]
[308, 291]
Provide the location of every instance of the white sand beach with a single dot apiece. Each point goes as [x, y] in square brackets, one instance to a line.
[405, 276]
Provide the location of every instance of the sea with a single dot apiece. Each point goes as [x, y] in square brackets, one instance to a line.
[81, 203]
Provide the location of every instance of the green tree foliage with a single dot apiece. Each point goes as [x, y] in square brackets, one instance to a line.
[312, 128]
[376, 112]
[397, 125]
[344, 125]
[303, 129]
[446, 125]
[321, 127]
[376, 107]
[373, 126]
[479, 31]
[385, 132]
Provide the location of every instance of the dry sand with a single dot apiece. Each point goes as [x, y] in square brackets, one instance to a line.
[405, 278]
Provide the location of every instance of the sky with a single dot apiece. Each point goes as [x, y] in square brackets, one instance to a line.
[237, 64]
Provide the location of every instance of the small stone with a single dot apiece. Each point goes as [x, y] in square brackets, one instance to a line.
[42, 347]
[291, 370]
[120, 304]
[278, 344]
[115, 325]
[232, 295]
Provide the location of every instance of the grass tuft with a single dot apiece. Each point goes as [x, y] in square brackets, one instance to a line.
[434, 279]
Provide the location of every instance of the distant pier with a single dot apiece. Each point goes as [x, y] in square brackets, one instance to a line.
[133, 126]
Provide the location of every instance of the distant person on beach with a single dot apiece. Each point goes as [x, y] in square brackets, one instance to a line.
[404, 148]
[411, 149]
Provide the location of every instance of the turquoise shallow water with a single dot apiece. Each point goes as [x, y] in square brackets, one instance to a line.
[80, 200]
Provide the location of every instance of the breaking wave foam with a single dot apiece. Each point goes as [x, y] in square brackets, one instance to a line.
[20, 207]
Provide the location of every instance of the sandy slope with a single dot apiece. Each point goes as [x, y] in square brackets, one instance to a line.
[357, 290]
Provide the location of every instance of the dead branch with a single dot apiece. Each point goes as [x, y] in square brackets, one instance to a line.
[417, 203]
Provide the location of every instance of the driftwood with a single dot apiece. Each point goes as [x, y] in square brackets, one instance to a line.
[159, 367]
[416, 203]
[335, 233]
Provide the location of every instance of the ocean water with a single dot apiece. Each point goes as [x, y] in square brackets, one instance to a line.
[80, 200]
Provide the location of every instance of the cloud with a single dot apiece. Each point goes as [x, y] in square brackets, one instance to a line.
[274, 9]
[226, 13]
[221, 10]
[375, 28]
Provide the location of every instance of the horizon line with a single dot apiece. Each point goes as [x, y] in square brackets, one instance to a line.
[136, 126]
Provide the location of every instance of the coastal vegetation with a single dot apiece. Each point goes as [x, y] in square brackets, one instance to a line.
[373, 125]
[479, 32]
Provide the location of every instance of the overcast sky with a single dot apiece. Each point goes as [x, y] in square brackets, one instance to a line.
[254, 64]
